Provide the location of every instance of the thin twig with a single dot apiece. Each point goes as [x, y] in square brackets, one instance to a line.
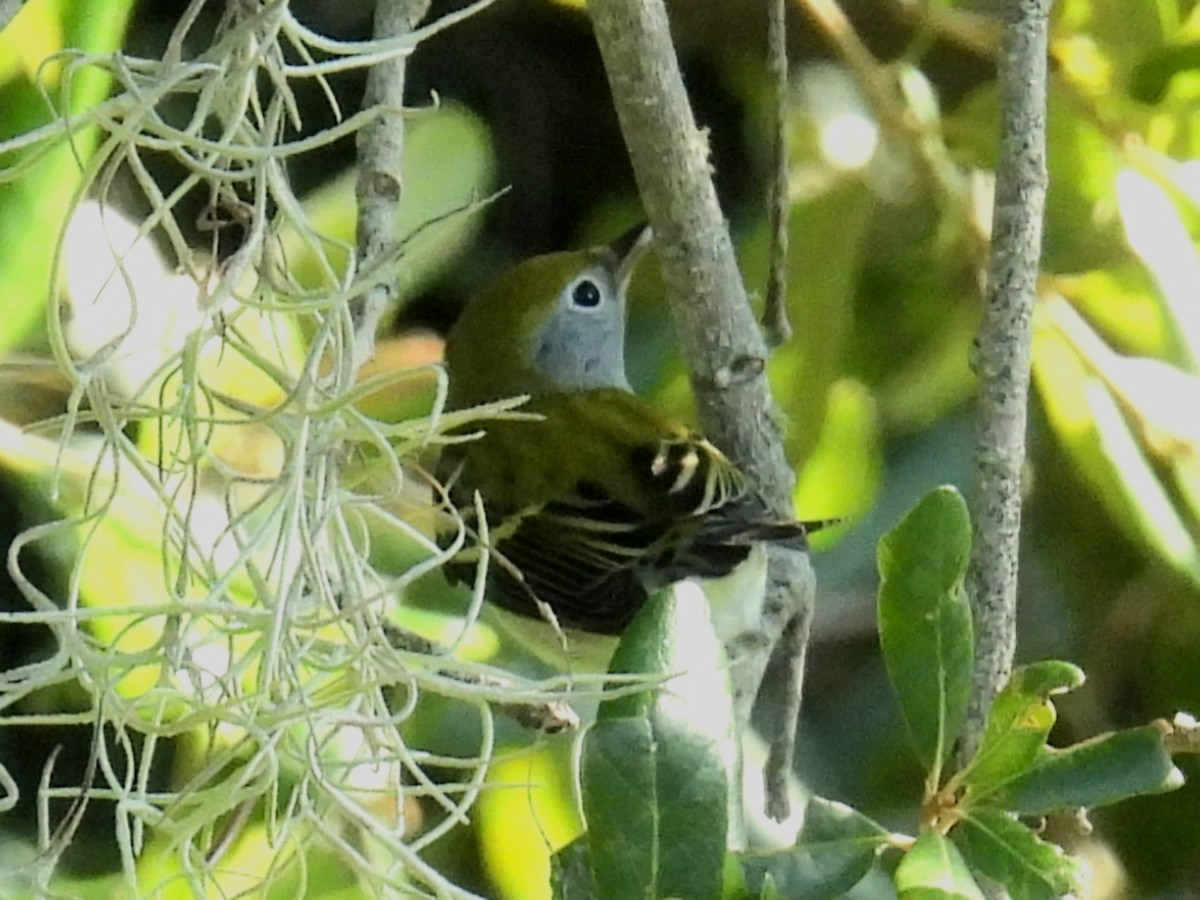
[1002, 353]
[975, 31]
[725, 351]
[551, 717]
[879, 85]
[8, 11]
[790, 652]
[380, 153]
[1181, 734]
[872, 76]
[776, 326]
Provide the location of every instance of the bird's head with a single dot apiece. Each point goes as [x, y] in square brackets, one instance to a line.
[554, 323]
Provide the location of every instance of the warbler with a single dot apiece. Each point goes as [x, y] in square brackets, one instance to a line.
[604, 499]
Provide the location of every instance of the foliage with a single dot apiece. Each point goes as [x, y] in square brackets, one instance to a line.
[221, 534]
[657, 766]
[971, 826]
[220, 622]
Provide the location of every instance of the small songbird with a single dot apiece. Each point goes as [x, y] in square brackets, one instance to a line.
[605, 499]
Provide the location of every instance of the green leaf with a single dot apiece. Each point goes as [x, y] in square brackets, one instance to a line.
[1106, 769]
[1018, 724]
[804, 369]
[845, 468]
[620, 803]
[1121, 304]
[1088, 420]
[998, 846]
[934, 869]
[925, 620]
[1153, 74]
[834, 850]
[570, 874]
[657, 764]
[1158, 234]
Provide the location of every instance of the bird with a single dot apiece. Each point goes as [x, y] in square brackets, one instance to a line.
[599, 498]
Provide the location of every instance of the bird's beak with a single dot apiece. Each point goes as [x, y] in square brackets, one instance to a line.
[628, 249]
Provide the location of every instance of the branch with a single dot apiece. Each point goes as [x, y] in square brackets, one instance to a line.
[553, 717]
[380, 153]
[775, 316]
[8, 11]
[1002, 353]
[724, 349]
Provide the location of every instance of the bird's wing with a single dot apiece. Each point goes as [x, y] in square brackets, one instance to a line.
[614, 514]
[591, 558]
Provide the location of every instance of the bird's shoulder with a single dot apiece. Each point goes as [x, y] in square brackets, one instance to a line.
[611, 443]
[601, 499]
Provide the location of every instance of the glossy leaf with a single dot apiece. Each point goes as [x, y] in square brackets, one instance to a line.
[1019, 722]
[656, 766]
[1103, 770]
[835, 848]
[925, 620]
[1009, 853]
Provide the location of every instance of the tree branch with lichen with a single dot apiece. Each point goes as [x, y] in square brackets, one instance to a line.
[9, 10]
[380, 146]
[722, 344]
[1002, 354]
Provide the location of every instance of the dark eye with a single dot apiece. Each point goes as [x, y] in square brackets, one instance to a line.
[586, 294]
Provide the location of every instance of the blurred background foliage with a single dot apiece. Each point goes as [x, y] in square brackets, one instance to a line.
[894, 130]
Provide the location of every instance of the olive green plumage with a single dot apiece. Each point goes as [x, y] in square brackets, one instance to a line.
[604, 499]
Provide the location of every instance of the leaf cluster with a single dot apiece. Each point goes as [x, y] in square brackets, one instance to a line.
[655, 781]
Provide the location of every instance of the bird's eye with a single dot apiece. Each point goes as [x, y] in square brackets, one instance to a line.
[586, 294]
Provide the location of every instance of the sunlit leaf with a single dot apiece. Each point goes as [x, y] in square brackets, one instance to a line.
[842, 476]
[1158, 235]
[1018, 724]
[1094, 431]
[29, 38]
[934, 870]
[657, 764]
[526, 813]
[1119, 300]
[33, 209]
[1155, 514]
